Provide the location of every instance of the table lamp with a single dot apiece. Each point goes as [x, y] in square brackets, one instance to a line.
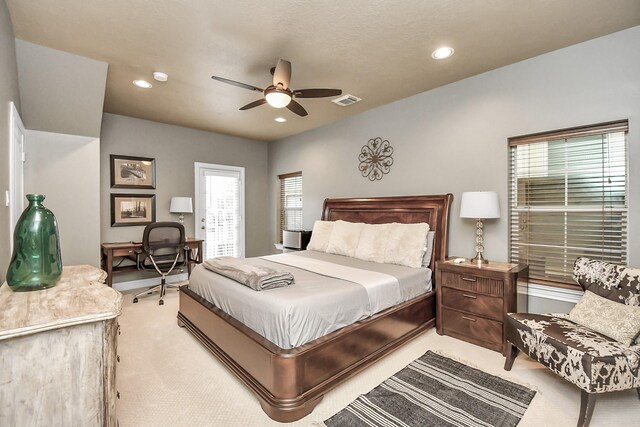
[479, 205]
[181, 205]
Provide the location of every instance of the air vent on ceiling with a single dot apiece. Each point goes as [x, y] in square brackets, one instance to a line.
[345, 100]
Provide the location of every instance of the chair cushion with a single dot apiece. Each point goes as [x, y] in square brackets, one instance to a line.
[590, 360]
[612, 281]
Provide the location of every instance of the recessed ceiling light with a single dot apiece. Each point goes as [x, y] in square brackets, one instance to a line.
[442, 53]
[159, 76]
[142, 83]
[280, 119]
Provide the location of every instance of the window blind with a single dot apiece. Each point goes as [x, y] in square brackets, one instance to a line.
[290, 202]
[568, 198]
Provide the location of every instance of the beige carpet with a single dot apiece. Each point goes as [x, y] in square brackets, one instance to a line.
[167, 378]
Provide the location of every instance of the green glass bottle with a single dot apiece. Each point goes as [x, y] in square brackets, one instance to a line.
[36, 262]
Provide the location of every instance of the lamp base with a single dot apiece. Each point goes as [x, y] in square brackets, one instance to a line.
[478, 259]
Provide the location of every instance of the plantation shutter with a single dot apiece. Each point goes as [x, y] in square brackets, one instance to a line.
[290, 202]
[568, 198]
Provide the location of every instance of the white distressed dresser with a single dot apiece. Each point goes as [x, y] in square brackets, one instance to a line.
[58, 352]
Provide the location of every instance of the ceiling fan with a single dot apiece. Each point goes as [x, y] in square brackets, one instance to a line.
[278, 95]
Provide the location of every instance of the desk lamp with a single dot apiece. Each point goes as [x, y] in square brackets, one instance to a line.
[181, 205]
[479, 205]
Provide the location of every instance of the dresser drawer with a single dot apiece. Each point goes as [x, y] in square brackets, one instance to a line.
[473, 283]
[483, 305]
[472, 326]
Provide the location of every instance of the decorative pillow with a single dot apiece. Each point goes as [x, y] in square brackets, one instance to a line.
[406, 244]
[373, 242]
[344, 238]
[618, 321]
[611, 281]
[320, 236]
[426, 259]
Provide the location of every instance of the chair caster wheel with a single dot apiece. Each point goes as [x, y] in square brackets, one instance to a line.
[161, 302]
[135, 300]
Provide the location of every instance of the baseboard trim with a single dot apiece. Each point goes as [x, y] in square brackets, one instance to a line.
[146, 283]
[550, 292]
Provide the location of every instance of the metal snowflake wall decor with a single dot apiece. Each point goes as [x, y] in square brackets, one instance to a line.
[375, 159]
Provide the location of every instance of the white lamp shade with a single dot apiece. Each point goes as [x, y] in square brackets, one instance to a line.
[480, 205]
[181, 205]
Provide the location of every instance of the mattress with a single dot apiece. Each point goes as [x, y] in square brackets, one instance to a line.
[318, 303]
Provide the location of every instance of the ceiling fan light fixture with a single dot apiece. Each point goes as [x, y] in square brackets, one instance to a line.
[277, 98]
[442, 52]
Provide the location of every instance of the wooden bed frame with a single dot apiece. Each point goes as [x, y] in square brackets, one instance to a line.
[290, 383]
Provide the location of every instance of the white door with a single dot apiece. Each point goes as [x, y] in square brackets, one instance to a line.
[220, 209]
[16, 169]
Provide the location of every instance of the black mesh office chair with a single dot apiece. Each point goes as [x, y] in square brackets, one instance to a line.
[163, 249]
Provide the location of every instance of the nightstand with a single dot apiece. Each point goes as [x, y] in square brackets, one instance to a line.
[472, 301]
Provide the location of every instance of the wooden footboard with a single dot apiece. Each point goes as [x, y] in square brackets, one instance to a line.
[290, 383]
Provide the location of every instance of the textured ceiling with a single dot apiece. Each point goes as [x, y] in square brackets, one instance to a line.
[378, 50]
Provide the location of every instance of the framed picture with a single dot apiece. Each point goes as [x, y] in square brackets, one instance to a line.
[132, 172]
[132, 209]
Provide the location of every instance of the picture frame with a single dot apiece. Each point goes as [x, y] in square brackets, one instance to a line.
[132, 209]
[132, 172]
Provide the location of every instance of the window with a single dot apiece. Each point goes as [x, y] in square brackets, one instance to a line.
[290, 202]
[568, 198]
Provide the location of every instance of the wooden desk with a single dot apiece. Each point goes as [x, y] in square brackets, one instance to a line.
[109, 251]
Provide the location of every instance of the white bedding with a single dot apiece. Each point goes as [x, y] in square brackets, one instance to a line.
[316, 304]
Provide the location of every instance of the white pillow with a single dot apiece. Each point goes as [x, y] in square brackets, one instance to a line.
[373, 242]
[344, 238]
[426, 259]
[406, 244]
[320, 236]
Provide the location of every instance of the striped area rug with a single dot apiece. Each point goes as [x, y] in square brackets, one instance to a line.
[437, 391]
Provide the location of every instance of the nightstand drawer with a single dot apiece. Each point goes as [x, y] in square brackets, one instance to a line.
[483, 305]
[472, 326]
[473, 283]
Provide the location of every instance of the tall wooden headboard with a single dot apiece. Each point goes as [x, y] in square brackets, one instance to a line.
[433, 210]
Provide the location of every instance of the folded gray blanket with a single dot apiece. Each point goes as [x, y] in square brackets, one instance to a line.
[257, 277]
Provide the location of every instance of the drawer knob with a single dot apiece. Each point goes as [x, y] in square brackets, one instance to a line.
[470, 319]
[469, 296]
[469, 279]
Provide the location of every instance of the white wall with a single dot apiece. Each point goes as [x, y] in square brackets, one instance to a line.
[9, 92]
[64, 169]
[60, 92]
[454, 138]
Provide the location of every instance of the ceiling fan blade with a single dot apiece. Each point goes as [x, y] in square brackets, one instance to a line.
[282, 73]
[316, 93]
[297, 108]
[254, 104]
[235, 83]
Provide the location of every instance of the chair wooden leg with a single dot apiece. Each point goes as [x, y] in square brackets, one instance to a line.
[638, 390]
[512, 353]
[587, 403]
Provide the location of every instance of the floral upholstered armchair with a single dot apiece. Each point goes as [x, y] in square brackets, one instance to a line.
[596, 346]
